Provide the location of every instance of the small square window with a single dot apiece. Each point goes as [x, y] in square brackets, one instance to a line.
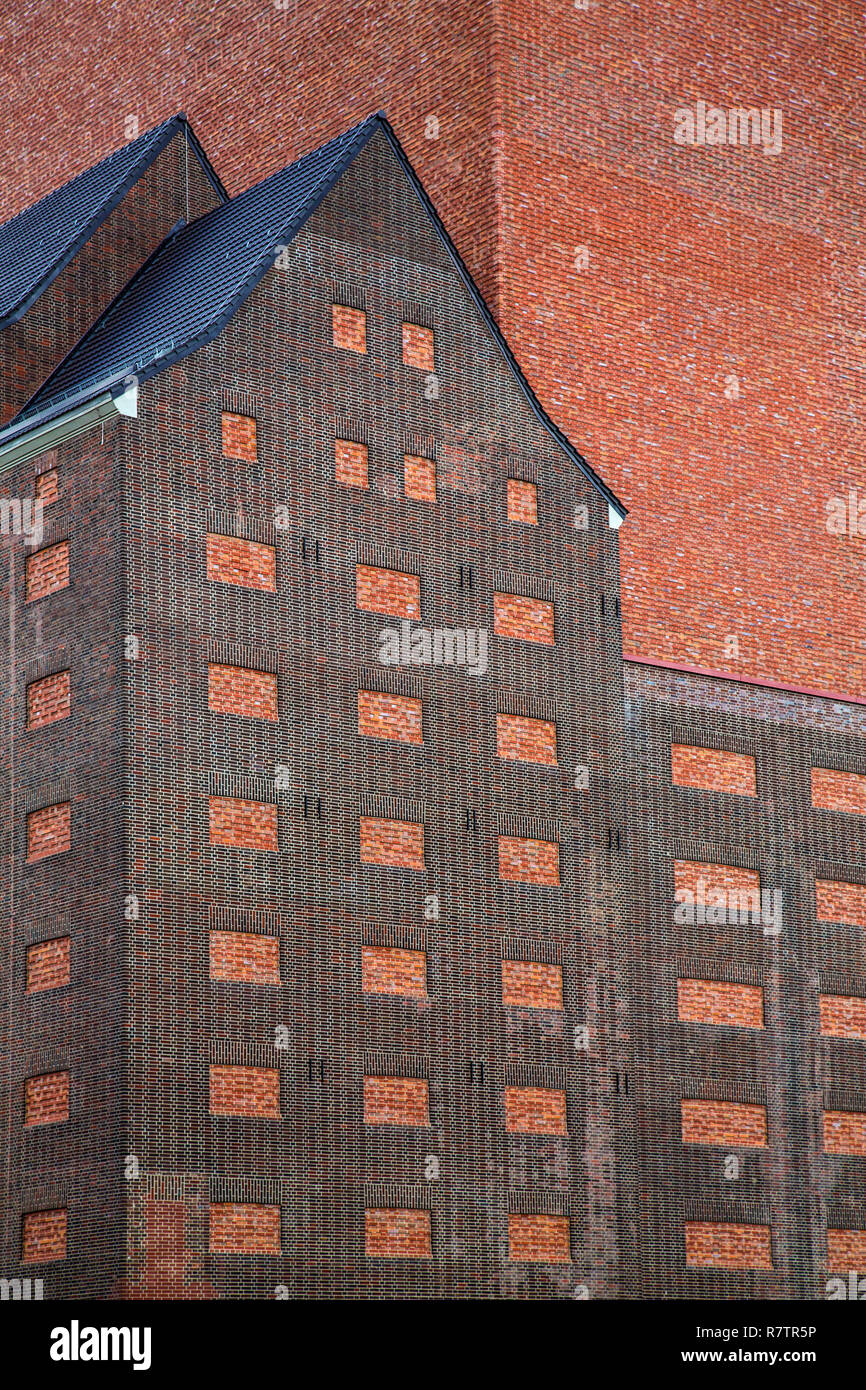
[522, 501]
[419, 478]
[350, 328]
[46, 487]
[350, 463]
[418, 347]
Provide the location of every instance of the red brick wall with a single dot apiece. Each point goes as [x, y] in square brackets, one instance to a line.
[527, 619]
[729, 878]
[244, 1228]
[248, 956]
[728, 1245]
[396, 1100]
[388, 591]
[350, 328]
[418, 347]
[48, 700]
[842, 1016]
[539, 1239]
[845, 1132]
[724, 1122]
[46, 487]
[528, 861]
[713, 769]
[350, 463]
[391, 970]
[840, 902]
[49, 831]
[46, 1098]
[244, 824]
[521, 501]
[839, 791]
[846, 1250]
[530, 985]
[382, 715]
[238, 690]
[525, 740]
[535, 1110]
[253, 1091]
[720, 1003]
[47, 571]
[396, 843]
[249, 564]
[239, 436]
[48, 964]
[419, 478]
[398, 1233]
[43, 1236]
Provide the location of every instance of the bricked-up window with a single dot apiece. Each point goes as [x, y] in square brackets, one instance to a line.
[249, 957]
[47, 490]
[840, 902]
[350, 463]
[43, 1236]
[245, 564]
[695, 881]
[239, 437]
[250, 1091]
[713, 769]
[728, 1245]
[838, 791]
[842, 1016]
[528, 984]
[49, 831]
[539, 1239]
[535, 1110]
[396, 1100]
[418, 347]
[387, 591]
[419, 478]
[241, 690]
[845, 1132]
[47, 571]
[393, 843]
[48, 700]
[724, 1122]
[846, 1249]
[522, 501]
[244, 1228]
[48, 964]
[46, 1098]
[381, 715]
[720, 1003]
[525, 740]
[396, 1233]
[349, 328]
[528, 861]
[392, 970]
[525, 619]
[243, 824]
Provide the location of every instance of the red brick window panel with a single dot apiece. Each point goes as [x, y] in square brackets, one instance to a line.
[528, 861]
[243, 824]
[839, 791]
[419, 478]
[49, 831]
[539, 1239]
[46, 571]
[248, 957]
[742, 886]
[246, 564]
[535, 1110]
[381, 715]
[842, 1016]
[392, 843]
[521, 501]
[724, 1123]
[728, 1245]
[239, 437]
[396, 1100]
[387, 591]
[47, 490]
[391, 970]
[244, 1228]
[713, 769]
[349, 328]
[48, 965]
[250, 1091]
[525, 740]
[846, 1250]
[241, 690]
[525, 619]
[840, 902]
[720, 1003]
[528, 984]
[398, 1233]
[350, 463]
[845, 1132]
[48, 700]
[43, 1236]
[418, 347]
[46, 1098]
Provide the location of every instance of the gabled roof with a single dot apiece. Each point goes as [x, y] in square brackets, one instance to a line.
[40, 242]
[194, 283]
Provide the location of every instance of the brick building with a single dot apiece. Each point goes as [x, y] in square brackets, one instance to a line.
[344, 956]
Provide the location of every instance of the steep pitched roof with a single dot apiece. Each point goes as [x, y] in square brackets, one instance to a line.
[194, 283]
[37, 244]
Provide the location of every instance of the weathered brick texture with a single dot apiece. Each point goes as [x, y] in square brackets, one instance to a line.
[239, 690]
[419, 478]
[535, 1110]
[842, 1015]
[845, 1132]
[388, 591]
[47, 487]
[728, 1245]
[839, 791]
[720, 1002]
[418, 347]
[245, 956]
[244, 1228]
[48, 700]
[381, 715]
[846, 1250]
[48, 964]
[525, 740]
[349, 328]
[395, 843]
[392, 970]
[530, 985]
[43, 1236]
[239, 437]
[539, 1239]
[528, 861]
[253, 1091]
[521, 501]
[396, 1100]
[526, 619]
[398, 1233]
[46, 571]
[724, 1122]
[840, 902]
[46, 1098]
[350, 463]
[713, 769]
[243, 824]
[49, 831]
[742, 886]
[247, 564]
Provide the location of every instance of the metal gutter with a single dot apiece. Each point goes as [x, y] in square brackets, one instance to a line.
[56, 429]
